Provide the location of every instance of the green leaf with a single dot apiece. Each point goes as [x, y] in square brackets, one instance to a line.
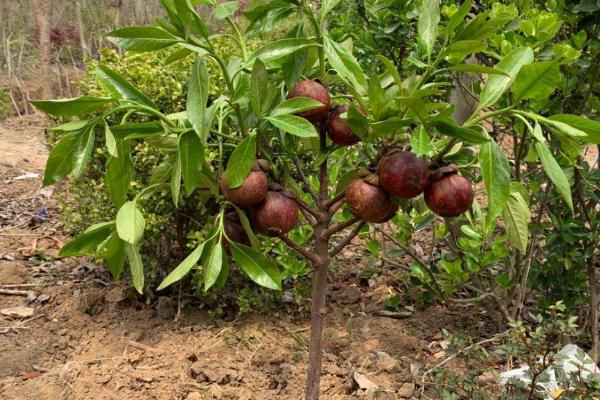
[590, 127]
[212, 266]
[120, 88]
[429, 18]
[258, 267]
[516, 217]
[241, 161]
[142, 38]
[344, 63]
[420, 141]
[115, 255]
[477, 69]
[189, 17]
[119, 173]
[467, 135]
[84, 155]
[68, 151]
[259, 88]
[295, 105]
[136, 266]
[536, 81]
[559, 126]
[130, 223]
[191, 156]
[71, 107]
[247, 227]
[326, 7]
[137, 130]
[554, 172]
[197, 97]
[111, 142]
[294, 125]
[278, 49]
[495, 170]
[176, 180]
[459, 16]
[496, 85]
[391, 69]
[226, 9]
[467, 46]
[183, 268]
[87, 242]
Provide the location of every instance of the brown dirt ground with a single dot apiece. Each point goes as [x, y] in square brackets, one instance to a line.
[94, 338]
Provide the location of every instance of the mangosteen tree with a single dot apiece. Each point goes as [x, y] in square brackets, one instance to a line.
[299, 135]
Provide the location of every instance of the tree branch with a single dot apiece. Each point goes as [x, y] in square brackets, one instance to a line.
[335, 199]
[340, 227]
[309, 210]
[334, 208]
[346, 241]
[304, 180]
[299, 249]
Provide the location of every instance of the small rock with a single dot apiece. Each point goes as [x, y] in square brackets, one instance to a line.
[11, 273]
[115, 295]
[18, 312]
[349, 295]
[194, 396]
[31, 296]
[146, 377]
[42, 298]
[288, 297]
[333, 369]
[386, 362]
[406, 390]
[365, 383]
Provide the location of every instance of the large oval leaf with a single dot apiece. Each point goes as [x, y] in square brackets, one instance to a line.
[258, 267]
[71, 107]
[495, 170]
[142, 38]
[241, 161]
[130, 223]
[293, 124]
[183, 268]
[120, 88]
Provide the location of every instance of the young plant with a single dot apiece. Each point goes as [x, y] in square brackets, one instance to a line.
[234, 152]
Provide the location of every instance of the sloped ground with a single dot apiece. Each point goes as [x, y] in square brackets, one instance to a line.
[92, 338]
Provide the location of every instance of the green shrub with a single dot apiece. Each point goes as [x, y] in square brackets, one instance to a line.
[6, 107]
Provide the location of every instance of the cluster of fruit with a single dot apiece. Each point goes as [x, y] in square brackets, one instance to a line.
[273, 210]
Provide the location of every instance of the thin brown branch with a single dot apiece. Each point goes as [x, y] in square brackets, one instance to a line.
[334, 208]
[335, 199]
[340, 227]
[314, 214]
[305, 180]
[346, 241]
[299, 249]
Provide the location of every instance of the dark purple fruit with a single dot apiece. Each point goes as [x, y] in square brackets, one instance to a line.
[277, 214]
[315, 91]
[368, 201]
[403, 174]
[450, 195]
[234, 229]
[338, 128]
[252, 191]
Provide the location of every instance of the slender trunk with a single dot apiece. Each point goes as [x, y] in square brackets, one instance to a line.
[40, 12]
[82, 42]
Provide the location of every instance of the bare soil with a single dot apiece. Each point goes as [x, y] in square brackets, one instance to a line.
[93, 338]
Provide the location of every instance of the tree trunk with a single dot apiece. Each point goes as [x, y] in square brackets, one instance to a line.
[40, 13]
[82, 42]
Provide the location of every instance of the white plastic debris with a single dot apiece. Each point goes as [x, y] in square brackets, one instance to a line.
[28, 175]
[572, 359]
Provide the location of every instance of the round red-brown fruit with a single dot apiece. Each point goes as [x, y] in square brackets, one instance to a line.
[316, 91]
[369, 202]
[234, 229]
[277, 214]
[449, 196]
[338, 128]
[251, 192]
[403, 174]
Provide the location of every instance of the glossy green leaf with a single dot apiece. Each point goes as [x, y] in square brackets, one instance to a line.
[68, 151]
[496, 85]
[477, 69]
[241, 161]
[427, 26]
[130, 223]
[467, 135]
[467, 46]
[420, 141]
[176, 180]
[296, 105]
[84, 155]
[294, 125]
[459, 16]
[516, 217]
[115, 255]
[88, 241]
[197, 97]
[259, 88]
[226, 9]
[189, 18]
[136, 267]
[278, 49]
[191, 157]
[137, 129]
[119, 173]
[589, 126]
[71, 107]
[536, 81]
[495, 170]
[111, 142]
[183, 268]
[326, 7]
[554, 172]
[212, 267]
[344, 63]
[142, 38]
[120, 88]
[258, 267]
